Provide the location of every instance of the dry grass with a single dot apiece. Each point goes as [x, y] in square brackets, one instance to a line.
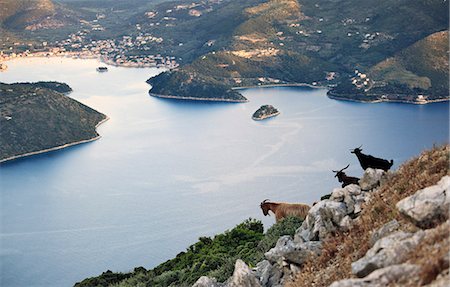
[344, 248]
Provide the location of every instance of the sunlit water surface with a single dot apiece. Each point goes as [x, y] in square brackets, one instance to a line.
[166, 172]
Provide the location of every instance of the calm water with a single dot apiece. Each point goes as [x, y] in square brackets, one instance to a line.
[166, 172]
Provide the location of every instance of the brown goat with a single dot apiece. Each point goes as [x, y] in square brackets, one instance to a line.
[282, 210]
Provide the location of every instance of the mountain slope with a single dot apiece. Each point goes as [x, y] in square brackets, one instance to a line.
[36, 117]
[423, 64]
[21, 13]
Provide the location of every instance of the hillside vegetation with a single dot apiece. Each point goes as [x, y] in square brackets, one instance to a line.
[35, 117]
[214, 257]
[289, 41]
[421, 65]
[20, 12]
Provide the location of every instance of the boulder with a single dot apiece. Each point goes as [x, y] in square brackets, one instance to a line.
[286, 250]
[348, 195]
[346, 223]
[322, 219]
[269, 275]
[242, 276]
[389, 250]
[205, 281]
[371, 179]
[383, 231]
[381, 277]
[427, 204]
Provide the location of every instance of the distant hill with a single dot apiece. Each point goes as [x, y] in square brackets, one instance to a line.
[423, 65]
[18, 16]
[289, 41]
[37, 116]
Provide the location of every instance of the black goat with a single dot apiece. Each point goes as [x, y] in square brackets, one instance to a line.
[346, 180]
[367, 161]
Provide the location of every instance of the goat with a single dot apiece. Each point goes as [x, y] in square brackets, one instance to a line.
[367, 161]
[282, 210]
[346, 180]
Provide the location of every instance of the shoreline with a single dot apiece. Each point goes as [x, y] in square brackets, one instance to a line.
[197, 99]
[280, 85]
[388, 101]
[57, 147]
[266, 117]
[82, 56]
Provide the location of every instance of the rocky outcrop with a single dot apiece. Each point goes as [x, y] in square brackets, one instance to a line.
[390, 250]
[427, 204]
[268, 274]
[205, 281]
[323, 219]
[335, 213]
[290, 251]
[371, 178]
[383, 264]
[242, 276]
[383, 231]
[381, 277]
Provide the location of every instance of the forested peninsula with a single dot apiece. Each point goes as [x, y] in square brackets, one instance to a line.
[40, 117]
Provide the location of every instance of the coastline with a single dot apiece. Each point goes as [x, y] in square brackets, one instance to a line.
[388, 100]
[83, 56]
[57, 147]
[280, 85]
[197, 99]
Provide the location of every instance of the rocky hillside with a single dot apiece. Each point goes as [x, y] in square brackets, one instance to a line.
[37, 116]
[390, 230]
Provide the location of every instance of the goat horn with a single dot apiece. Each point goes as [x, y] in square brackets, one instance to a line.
[360, 146]
[345, 167]
[265, 200]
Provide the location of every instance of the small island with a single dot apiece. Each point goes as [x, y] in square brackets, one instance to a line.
[102, 69]
[264, 112]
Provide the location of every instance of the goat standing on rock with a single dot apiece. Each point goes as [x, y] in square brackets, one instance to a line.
[346, 180]
[282, 210]
[367, 161]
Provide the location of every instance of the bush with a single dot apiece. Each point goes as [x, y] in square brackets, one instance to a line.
[214, 257]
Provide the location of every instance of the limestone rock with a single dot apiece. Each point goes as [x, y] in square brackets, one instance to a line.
[292, 252]
[389, 250]
[346, 223]
[383, 231]
[243, 276]
[348, 195]
[427, 204]
[371, 178]
[205, 281]
[381, 277]
[269, 275]
[323, 218]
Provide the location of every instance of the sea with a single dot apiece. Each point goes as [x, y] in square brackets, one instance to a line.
[166, 172]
